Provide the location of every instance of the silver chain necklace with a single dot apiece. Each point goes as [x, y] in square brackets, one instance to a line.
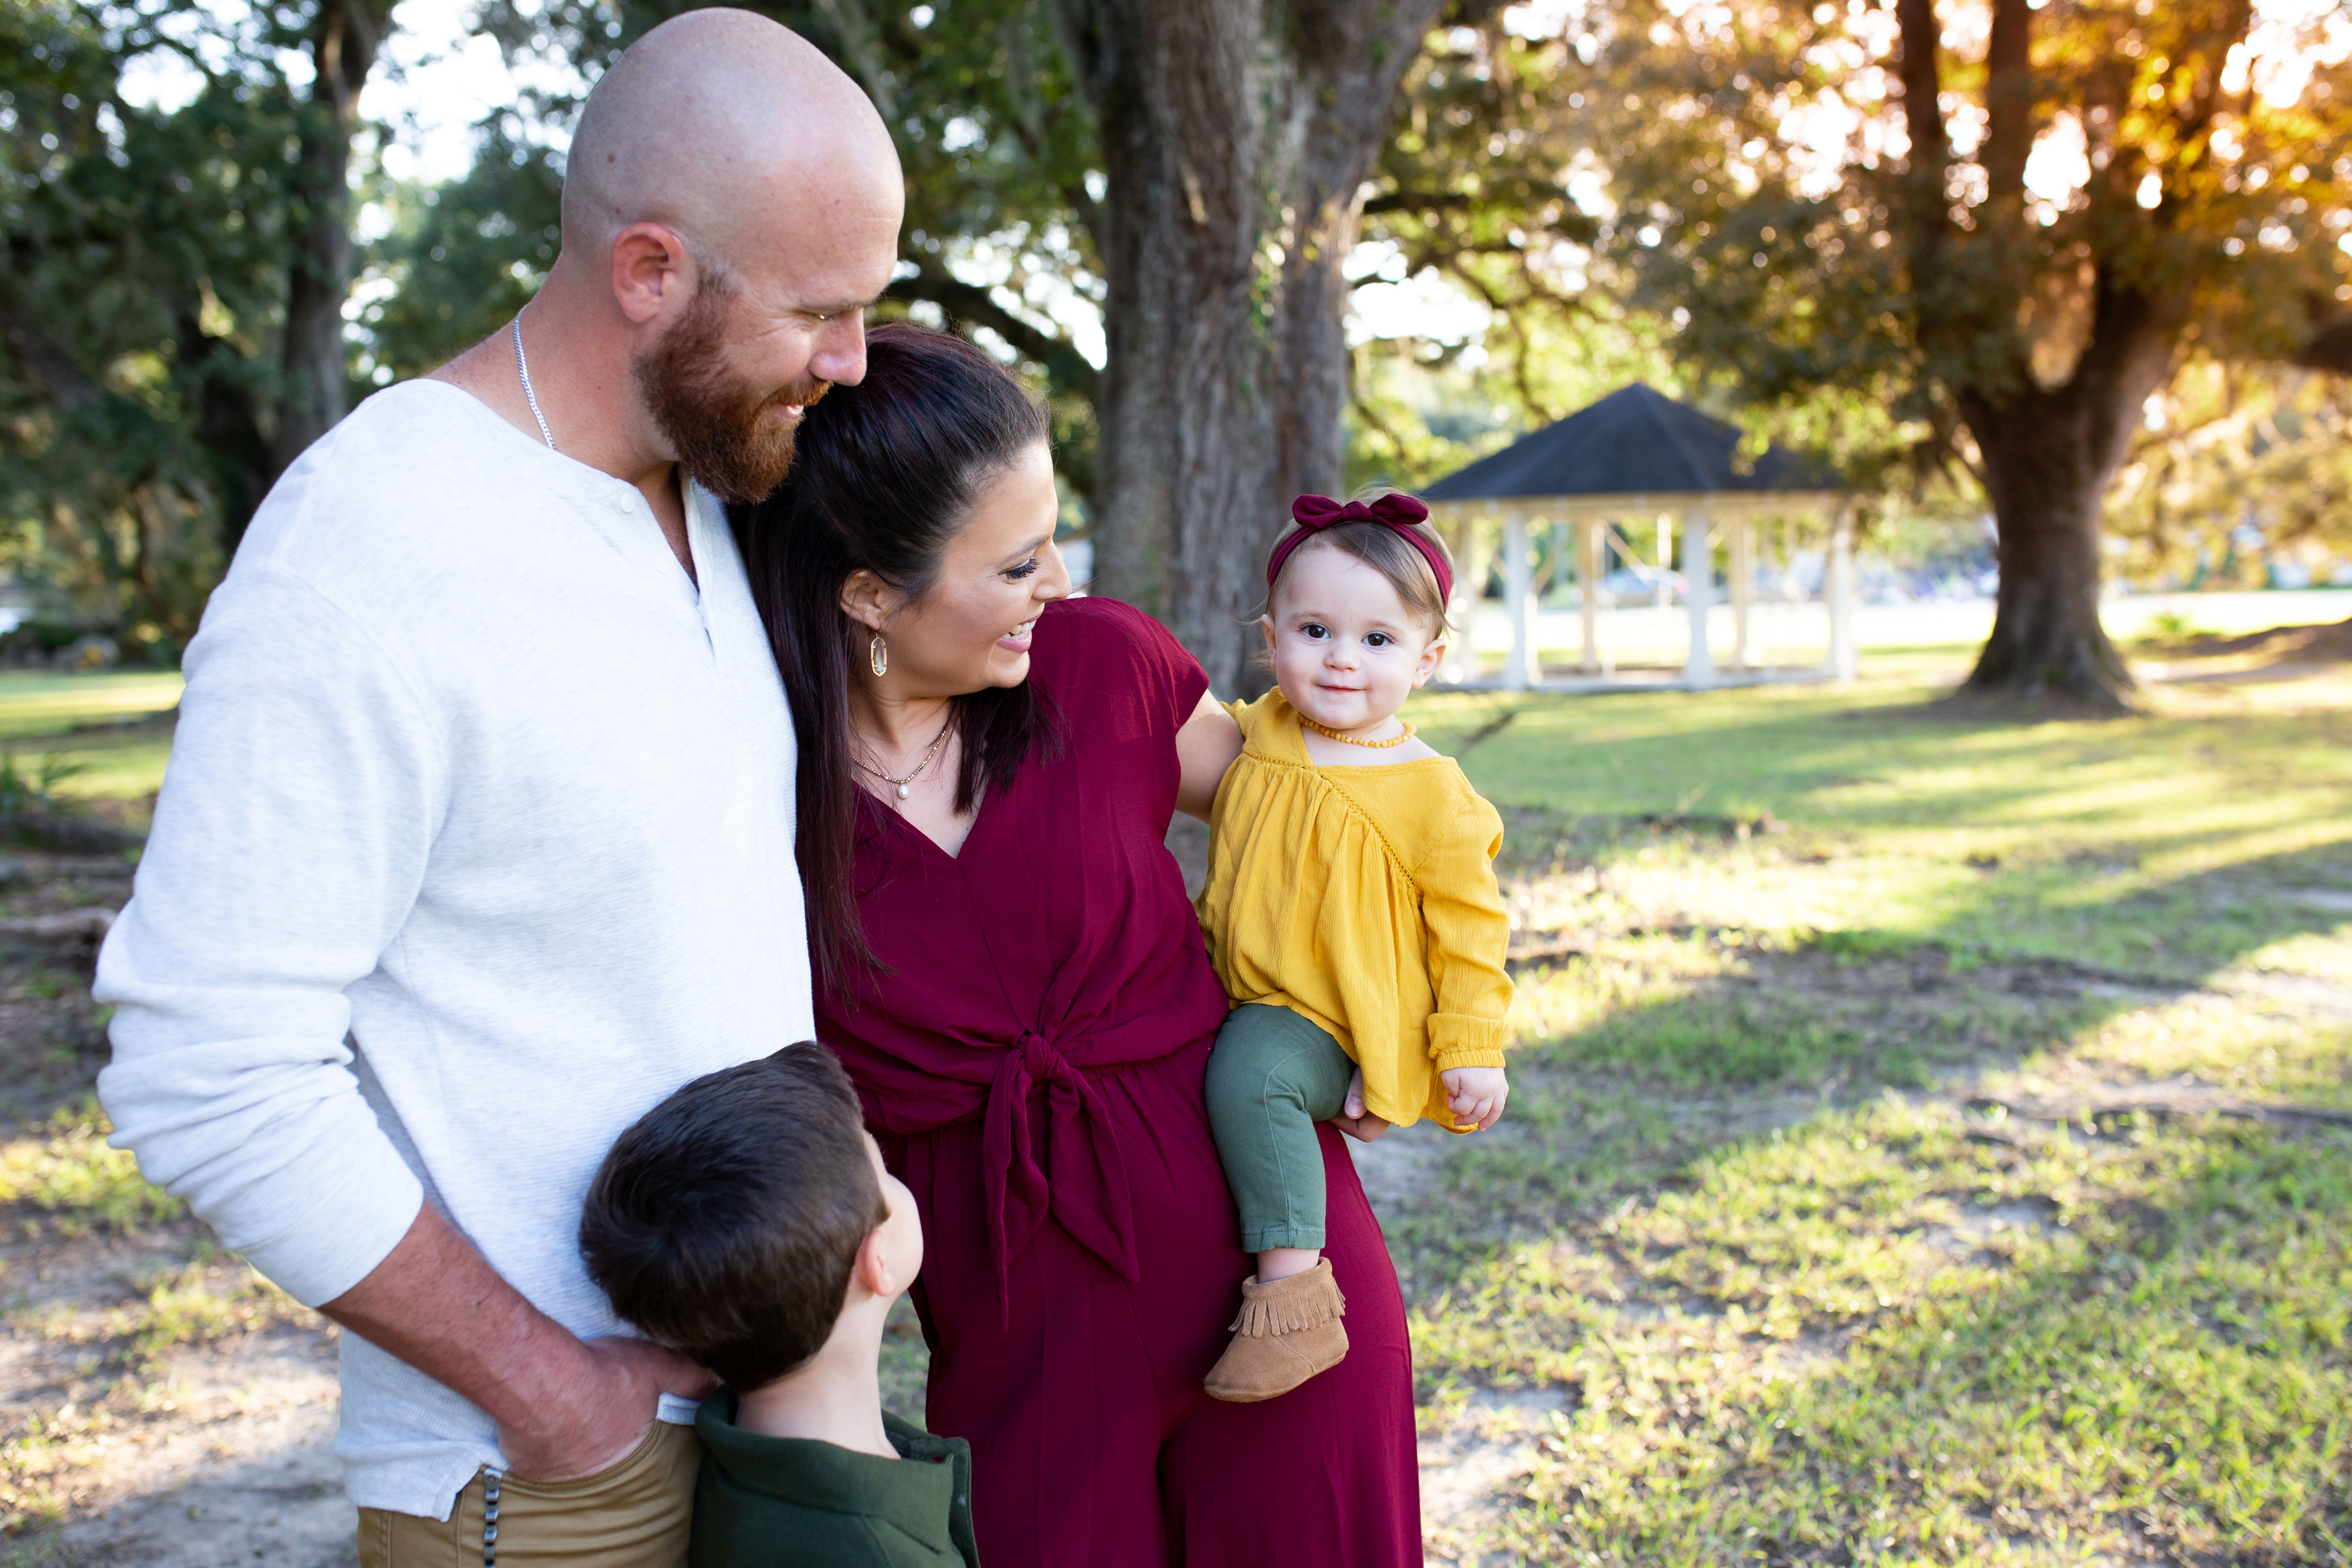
[523, 364]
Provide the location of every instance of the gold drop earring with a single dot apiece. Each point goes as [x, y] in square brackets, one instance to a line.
[877, 654]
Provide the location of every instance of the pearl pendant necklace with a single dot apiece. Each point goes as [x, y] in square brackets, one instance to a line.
[905, 786]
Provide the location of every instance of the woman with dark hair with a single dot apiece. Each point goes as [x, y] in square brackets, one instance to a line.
[1008, 966]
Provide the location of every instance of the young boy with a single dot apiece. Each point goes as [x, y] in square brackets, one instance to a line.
[747, 1221]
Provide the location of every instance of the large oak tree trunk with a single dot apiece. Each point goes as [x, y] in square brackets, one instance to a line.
[2049, 455]
[2046, 637]
[1236, 134]
[2049, 451]
[344, 36]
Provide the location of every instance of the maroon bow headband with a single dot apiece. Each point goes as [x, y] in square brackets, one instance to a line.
[1316, 513]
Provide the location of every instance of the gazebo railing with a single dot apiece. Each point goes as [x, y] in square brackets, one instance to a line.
[1599, 522]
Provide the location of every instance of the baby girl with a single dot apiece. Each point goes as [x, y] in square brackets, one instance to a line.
[1350, 909]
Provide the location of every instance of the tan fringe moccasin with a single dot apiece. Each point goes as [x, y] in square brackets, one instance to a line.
[1288, 1331]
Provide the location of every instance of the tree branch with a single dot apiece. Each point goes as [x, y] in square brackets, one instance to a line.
[969, 302]
[853, 27]
[2008, 98]
[1923, 113]
[1418, 201]
[2329, 347]
[48, 363]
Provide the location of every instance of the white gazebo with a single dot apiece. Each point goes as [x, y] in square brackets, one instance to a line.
[1637, 457]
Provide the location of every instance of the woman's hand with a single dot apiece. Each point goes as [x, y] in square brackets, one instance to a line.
[1353, 1119]
[1206, 747]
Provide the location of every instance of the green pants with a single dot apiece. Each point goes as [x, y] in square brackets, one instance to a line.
[1272, 1077]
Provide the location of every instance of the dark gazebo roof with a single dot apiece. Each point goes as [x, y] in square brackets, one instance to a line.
[1634, 442]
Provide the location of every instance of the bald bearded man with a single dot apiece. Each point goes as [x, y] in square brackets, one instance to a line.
[477, 839]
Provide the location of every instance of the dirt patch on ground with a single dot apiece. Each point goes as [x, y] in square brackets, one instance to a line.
[159, 1405]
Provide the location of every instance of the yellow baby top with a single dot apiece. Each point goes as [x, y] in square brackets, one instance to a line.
[1363, 899]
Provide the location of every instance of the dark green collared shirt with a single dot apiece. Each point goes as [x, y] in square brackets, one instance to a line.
[780, 1503]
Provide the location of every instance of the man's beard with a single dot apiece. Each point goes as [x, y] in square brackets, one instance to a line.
[721, 429]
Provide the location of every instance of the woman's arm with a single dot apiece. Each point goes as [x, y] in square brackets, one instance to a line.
[1206, 747]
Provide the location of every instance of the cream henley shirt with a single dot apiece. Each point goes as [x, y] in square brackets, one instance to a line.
[476, 842]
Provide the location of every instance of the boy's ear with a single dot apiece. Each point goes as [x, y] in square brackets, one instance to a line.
[872, 1270]
[1431, 657]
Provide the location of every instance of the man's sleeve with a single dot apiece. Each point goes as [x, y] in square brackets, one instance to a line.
[305, 786]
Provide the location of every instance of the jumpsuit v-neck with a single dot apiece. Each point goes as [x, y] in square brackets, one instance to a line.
[1031, 1059]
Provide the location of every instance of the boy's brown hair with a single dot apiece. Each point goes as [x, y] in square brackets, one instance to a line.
[725, 1223]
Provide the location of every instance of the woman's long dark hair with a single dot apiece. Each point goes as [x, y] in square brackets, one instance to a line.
[885, 476]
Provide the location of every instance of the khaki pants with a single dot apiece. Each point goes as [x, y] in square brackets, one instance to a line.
[634, 1515]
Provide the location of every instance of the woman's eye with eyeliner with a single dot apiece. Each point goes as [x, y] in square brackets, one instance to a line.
[1023, 570]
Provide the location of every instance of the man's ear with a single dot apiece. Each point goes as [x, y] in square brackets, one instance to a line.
[1431, 657]
[867, 600]
[652, 270]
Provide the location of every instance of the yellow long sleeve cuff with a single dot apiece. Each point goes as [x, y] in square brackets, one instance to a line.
[1463, 1040]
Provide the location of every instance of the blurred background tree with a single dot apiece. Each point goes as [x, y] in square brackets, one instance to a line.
[1411, 235]
[171, 312]
[2238, 478]
[2004, 224]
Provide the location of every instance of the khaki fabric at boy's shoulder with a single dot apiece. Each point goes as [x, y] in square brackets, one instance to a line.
[1362, 898]
[789, 1502]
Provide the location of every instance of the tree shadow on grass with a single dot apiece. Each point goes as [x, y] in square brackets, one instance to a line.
[2152, 1361]
[1813, 1310]
[1685, 1038]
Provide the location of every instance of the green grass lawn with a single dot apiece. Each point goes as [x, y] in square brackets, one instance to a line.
[99, 737]
[1920, 1146]
[1776, 1277]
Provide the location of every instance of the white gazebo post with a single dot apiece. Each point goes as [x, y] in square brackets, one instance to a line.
[1460, 665]
[1588, 592]
[1699, 572]
[1838, 588]
[1743, 592]
[1517, 579]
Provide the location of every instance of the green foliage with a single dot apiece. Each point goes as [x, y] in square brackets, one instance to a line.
[1504, 179]
[1766, 205]
[78, 1185]
[199, 1302]
[462, 257]
[2236, 444]
[143, 298]
[38, 791]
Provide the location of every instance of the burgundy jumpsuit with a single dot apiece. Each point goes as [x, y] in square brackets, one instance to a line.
[1033, 1066]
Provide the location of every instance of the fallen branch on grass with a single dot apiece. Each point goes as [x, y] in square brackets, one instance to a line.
[88, 925]
[67, 833]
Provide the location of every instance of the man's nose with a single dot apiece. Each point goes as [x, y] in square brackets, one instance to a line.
[840, 355]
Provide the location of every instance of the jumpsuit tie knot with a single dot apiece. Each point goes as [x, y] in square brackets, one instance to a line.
[1084, 1179]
